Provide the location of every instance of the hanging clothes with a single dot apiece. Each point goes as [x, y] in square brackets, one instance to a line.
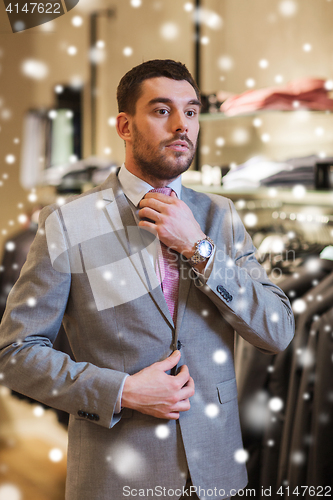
[263, 378]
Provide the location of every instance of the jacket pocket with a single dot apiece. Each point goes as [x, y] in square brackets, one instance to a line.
[227, 390]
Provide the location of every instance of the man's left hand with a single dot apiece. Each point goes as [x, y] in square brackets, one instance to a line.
[173, 221]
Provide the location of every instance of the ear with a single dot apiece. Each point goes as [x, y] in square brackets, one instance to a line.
[123, 126]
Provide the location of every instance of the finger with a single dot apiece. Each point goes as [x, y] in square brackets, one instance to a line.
[186, 392]
[160, 196]
[157, 205]
[190, 383]
[148, 226]
[182, 376]
[189, 386]
[169, 362]
[152, 203]
[150, 213]
[172, 416]
[184, 369]
[183, 405]
[173, 195]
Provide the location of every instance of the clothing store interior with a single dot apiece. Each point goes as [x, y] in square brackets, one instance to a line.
[265, 70]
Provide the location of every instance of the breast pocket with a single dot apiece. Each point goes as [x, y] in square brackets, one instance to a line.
[227, 391]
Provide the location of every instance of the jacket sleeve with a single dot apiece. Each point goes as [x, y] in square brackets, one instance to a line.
[238, 285]
[33, 315]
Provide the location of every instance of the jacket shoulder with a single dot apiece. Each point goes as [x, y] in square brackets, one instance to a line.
[92, 198]
[206, 199]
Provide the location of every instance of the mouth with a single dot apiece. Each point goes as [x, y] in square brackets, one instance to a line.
[178, 146]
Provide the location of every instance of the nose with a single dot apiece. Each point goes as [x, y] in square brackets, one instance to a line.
[180, 123]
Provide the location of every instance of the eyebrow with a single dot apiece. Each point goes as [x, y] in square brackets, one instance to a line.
[166, 100]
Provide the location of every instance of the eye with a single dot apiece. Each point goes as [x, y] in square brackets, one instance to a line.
[162, 111]
[190, 113]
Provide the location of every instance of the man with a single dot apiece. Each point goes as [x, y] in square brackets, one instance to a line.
[152, 393]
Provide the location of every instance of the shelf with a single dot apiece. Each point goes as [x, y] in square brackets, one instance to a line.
[274, 195]
[208, 117]
[313, 212]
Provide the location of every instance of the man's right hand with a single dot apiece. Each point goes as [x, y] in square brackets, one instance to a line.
[155, 393]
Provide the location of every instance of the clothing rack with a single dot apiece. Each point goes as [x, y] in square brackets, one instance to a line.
[290, 449]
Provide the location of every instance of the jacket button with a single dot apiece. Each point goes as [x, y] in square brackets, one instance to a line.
[80, 413]
[179, 345]
[224, 293]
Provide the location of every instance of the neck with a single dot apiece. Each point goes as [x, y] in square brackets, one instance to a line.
[153, 181]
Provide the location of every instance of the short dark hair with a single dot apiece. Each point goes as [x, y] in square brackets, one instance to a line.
[130, 86]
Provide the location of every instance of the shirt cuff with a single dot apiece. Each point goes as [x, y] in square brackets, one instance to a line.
[117, 408]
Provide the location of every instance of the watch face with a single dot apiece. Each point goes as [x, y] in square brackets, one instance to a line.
[205, 248]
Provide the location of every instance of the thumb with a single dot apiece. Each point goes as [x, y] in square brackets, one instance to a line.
[173, 195]
[170, 362]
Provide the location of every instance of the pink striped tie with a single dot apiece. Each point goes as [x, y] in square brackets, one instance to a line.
[167, 266]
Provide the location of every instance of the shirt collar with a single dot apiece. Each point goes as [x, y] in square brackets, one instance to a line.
[135, 189]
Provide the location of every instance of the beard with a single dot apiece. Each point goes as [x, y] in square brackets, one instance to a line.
[155, 163]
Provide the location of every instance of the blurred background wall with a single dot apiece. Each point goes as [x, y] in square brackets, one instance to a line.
[244, 44]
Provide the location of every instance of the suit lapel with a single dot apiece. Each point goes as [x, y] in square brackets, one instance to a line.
[184, 288]
[116, 203]
[186, 274]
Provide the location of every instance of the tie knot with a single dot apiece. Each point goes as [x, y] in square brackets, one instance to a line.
[165, 190]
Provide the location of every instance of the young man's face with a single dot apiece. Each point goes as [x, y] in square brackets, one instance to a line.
[165, 128]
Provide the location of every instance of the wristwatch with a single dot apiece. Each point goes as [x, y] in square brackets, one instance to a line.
[203, 250]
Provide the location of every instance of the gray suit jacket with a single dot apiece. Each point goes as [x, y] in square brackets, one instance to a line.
[89, 268]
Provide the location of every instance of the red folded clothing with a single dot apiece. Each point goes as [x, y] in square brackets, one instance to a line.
[303, 93]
